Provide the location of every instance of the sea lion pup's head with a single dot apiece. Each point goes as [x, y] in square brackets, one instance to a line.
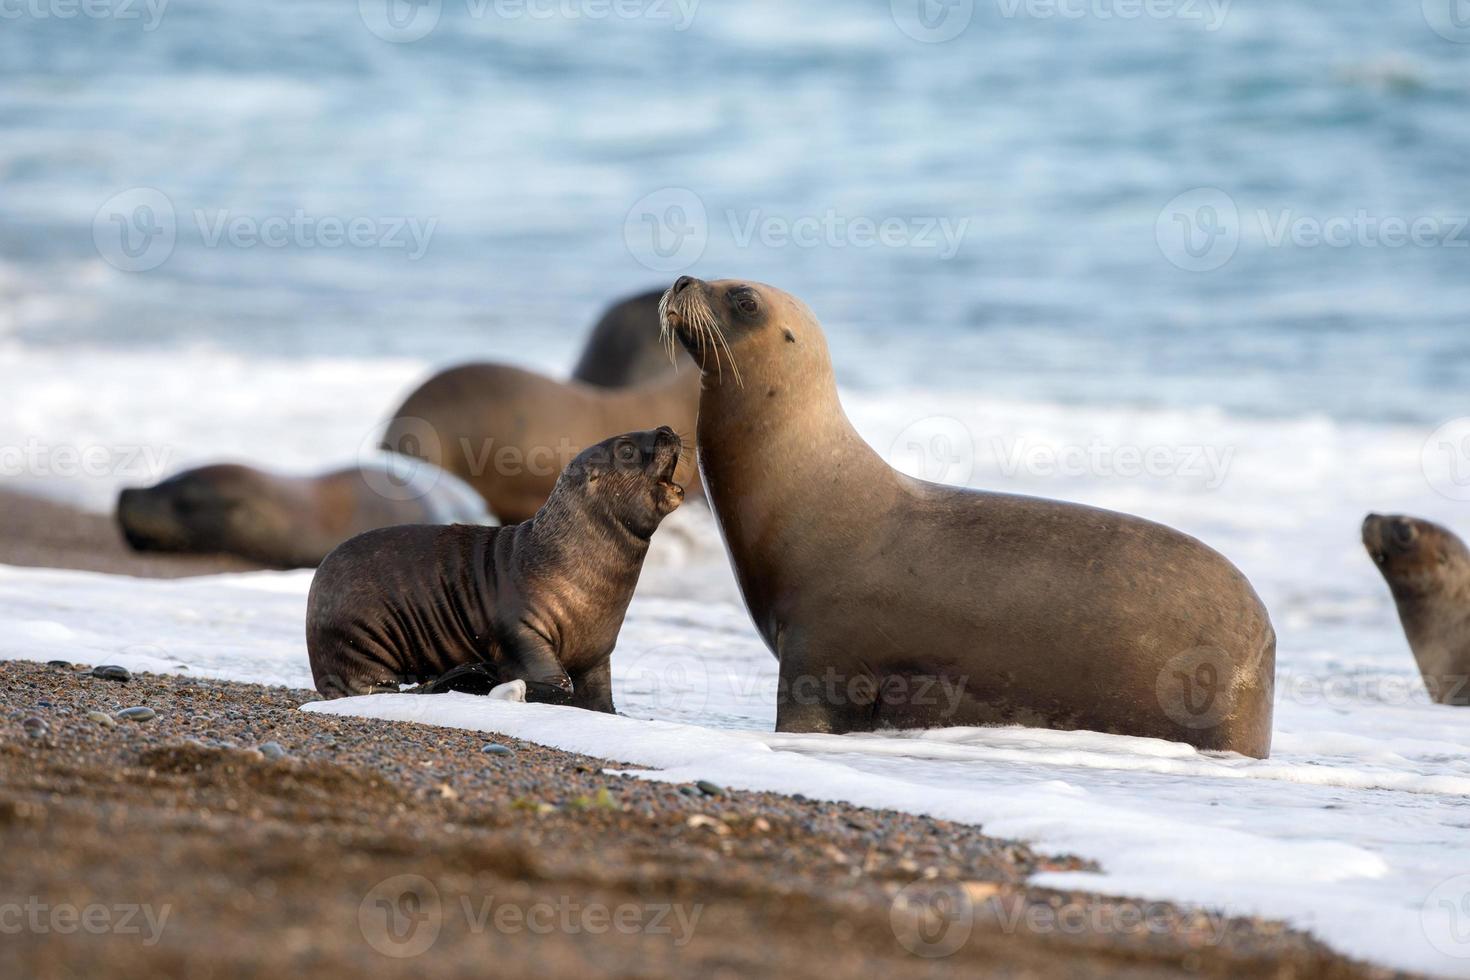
[735, 330]
[627, 479]
[200, 510]
[1417, 558]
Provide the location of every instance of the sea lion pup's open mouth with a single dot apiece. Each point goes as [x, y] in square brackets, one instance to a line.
[668, 449]
[685, 314]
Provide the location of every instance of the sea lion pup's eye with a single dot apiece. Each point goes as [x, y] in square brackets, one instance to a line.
[1404, 533]
[626, 452]
[745, 300]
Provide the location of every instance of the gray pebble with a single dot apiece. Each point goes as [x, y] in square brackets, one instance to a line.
[58, 663]
[112, 672]
[490, 748]
[34, 727]
[688, 790]
[710, 789]
[102, 718]
[273, 750]
[138, 714]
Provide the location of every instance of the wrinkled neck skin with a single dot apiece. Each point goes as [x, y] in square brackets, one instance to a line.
[577, 567]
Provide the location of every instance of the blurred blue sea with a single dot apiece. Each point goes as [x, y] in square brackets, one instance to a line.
[525, 145]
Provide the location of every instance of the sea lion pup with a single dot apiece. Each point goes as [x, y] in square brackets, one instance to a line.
[890, 601]
[1428, 571]
[541, 601]
[624, 349]
[508, 432]
[290, 521]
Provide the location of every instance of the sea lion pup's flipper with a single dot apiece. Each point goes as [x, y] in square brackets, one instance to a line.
[531, 658]
[464, 679]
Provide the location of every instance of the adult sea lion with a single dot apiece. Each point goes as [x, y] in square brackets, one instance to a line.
[892, 601]
[541, 601]
[1428, 571]
[623, 348]
[508, 432]
[289, 521]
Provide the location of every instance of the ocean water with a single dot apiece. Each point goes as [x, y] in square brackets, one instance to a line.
[1206, 263]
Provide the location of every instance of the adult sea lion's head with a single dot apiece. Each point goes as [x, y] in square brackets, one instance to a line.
[743, 333]
[1416, 557]
[199, 510]
[628, 478]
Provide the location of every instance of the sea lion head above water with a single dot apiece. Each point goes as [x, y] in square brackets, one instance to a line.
[1418, 558]
[731, 326]
[626, 480]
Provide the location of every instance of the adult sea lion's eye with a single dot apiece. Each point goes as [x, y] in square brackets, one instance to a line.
[746, 302]
[1403, 532]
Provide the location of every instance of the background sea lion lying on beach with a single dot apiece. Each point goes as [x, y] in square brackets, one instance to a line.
[289, 521]
[541, 601]
[508, 432]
